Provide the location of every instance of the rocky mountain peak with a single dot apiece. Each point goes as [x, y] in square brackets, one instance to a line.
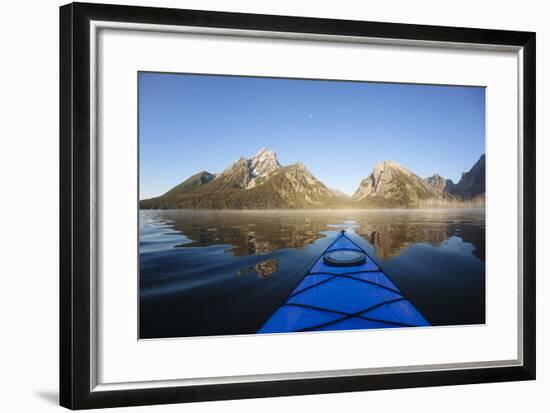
[244, 173]
[383, 173]
[439, 183]
[263, 163]
[386, 169]
[238, 163]
[194, 181]
[472, 183]
[391, 184]
[256, 183]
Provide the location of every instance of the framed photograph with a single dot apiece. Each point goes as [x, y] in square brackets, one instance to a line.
[256, 206]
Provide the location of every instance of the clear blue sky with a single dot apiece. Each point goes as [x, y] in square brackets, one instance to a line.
[339, 130]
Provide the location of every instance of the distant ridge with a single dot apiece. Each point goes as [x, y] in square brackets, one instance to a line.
[391, 185]
[194, 181]
[261, 182]
[472, 183]
[339, 194]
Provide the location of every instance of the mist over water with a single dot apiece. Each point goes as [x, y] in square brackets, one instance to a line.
[225, 272]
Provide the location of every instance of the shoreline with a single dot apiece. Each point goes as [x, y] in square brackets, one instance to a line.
[310, 210]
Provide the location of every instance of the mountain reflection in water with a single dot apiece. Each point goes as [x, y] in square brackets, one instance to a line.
[225, 272]
[389, 231]
[263, 269]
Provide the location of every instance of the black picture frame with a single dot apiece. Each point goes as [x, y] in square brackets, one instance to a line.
[75, 219]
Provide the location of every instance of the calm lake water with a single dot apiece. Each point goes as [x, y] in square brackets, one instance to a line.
[225, 272]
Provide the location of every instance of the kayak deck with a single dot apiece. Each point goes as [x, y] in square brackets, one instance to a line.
[344, 297]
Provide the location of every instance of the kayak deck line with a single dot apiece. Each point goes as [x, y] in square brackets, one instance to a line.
[344, 291]
[348, 275]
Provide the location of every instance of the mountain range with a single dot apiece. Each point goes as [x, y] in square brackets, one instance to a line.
[261, 182]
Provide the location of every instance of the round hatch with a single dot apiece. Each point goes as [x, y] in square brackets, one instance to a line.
[344, 258]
